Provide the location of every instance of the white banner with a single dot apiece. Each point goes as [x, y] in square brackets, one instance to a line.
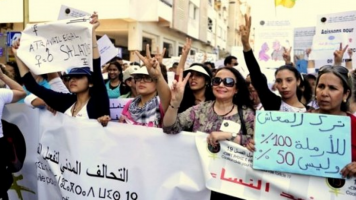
[199, 57]
[228, 169]
[57, 46]
[81, 160]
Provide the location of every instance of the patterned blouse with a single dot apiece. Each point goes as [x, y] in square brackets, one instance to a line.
[203, 118]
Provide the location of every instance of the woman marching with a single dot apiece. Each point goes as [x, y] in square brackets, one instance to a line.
[88, 98]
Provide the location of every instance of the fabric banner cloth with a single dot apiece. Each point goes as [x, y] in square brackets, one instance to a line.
[78, 159]
[229, 171]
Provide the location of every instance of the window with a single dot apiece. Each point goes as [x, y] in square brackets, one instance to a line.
[169, 49]
[192, 52]
[210, 25]
[180, 49]
[168, 2]
[146, 41]
[193, 11]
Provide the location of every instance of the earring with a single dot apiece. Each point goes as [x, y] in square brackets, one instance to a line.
[345, 100]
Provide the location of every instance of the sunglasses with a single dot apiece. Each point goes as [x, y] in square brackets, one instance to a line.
[228, 82]
[248, 83]
[235, 64]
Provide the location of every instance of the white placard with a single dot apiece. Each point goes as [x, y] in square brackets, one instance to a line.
[67, 12]
[271, 37]
[228, 170]
[57, 46]
[107, 49]
[79, 159]
[116, 107]
[199, 57]
[331, 30]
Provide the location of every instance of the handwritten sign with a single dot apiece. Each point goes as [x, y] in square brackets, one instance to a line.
[199, 57]
[116, 107]
[107, 49]
[70, 13]
[57, 46]
[303, 143]
[228, 169]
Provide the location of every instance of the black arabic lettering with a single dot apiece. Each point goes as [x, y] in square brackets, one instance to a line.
[336, 151]
[300, 146]
[334, 126]
[321, 120]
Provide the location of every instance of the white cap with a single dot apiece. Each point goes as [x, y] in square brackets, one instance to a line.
[141, 70]
[197, 68]
[131, 69]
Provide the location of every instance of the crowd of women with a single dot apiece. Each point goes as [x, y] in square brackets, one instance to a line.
[199, 100]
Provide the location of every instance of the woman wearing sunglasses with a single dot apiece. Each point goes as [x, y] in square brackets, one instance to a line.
[148, 108]
[232, 104]
[88, 98]
[333, 90]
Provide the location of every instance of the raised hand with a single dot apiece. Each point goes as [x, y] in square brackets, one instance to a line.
[177, 90]
[15, 46]
[339, 54]
[159, 56]
[151, 64]
[308, 51]
[286, 55]
[187, 46]
[245, 33]
[95, 21]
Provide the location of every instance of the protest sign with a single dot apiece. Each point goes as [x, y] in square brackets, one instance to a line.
[331, 30]
[57, 46]
[199, 57]
[228, 169]
[107, 49]
[271, 37]
[303, 143]
[81, 160]
[70, 13]
[116, 107]
[303, 40]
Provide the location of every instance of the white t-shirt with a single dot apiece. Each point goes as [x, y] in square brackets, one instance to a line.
[6, 96]
[82, 114]
[287, 108]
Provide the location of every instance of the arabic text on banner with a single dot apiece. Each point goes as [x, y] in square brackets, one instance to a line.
[228, 169]
[81, 160]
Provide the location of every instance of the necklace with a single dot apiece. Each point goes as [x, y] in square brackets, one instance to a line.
[74, 110]
[233, 106]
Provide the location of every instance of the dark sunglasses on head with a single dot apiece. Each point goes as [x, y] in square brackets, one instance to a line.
[228, 82]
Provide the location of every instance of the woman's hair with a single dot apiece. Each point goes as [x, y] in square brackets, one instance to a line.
[17, 77]
[307, 93]
[242, 98]
[4, 70]
[296, 75]
[353, 77]
[118, 66]
[343, 74]
[189, 98]
[164, 71]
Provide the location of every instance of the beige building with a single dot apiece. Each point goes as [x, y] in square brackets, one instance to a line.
[131, 24]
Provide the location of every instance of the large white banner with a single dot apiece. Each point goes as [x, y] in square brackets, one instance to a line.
[228, 169]
[57, 46]
[81, 160]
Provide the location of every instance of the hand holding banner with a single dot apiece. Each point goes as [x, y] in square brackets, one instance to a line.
[303, 143]
[57, 46]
